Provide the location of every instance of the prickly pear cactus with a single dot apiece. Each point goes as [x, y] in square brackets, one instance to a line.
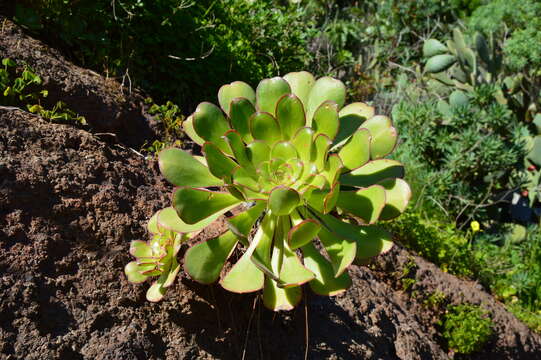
[308, 175]
[465, 67]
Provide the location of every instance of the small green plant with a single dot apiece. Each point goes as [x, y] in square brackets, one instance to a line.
[19, 87]
[156, 257]
[435, 300]
[23, 88]
[466, 328]
[169, 118]
[304, 167]
[518, 23]
[407, 278]
[60, 113]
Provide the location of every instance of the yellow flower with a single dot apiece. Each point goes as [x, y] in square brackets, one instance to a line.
[475, 226]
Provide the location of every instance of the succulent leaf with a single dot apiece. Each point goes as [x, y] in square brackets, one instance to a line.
[373, 172]
[238, 148]
[349, 124]
[194, 205]
[204, 261]
[325, 283]
[302, 232]
[219, 164]
[366, 203]
[181, 169]
[292, 272]
[439, 63]
[290, 115]
[155, 292]
[210, 124]
[356, 152]
[280, 299]
[341, 251]
[133, 273]
[237, 89]
[187, 126]
[240, 112]
[458, 98]
[325, 119]
[140, 249]
[383, 136]
[152, 225]
[358, 108]
[432, 47]
[172, 273]
[244, 276]
[264, 126]
[325, 89]
[283, 200]
[372, 241]
[284, 150]
[263, 238]
[301, 83]
[258, 151]
[268, 92]
[169, 219]
[241, 224]
[320, 150]
[303, 143]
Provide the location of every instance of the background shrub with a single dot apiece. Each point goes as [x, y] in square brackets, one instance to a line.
[465, 160]
[176, 50]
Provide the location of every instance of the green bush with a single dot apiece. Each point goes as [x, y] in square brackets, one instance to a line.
[464, 159]
[513, 266]
[176, 50]
[466, 328]
[358, 39]
[438, 242]
[518, 18]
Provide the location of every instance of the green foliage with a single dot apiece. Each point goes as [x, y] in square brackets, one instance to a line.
[407, 278]
[19, 87]
[435, 300]
[414, 18]
[169, 118]
[438, 242]
[467, 328]
[528, 317]
[515, 27]
[60, 113]
[463, 155]
[463, 65]
[513, 269]
[22, 87]
[174, 49]
[520, 19]
[305, 167]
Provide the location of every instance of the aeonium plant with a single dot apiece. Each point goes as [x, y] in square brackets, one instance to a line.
[308, 176]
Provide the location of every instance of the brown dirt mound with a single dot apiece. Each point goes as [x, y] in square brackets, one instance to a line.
[69, 206]
[106, 105]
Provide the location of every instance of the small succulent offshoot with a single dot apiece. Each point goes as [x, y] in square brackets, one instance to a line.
[311, 173]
